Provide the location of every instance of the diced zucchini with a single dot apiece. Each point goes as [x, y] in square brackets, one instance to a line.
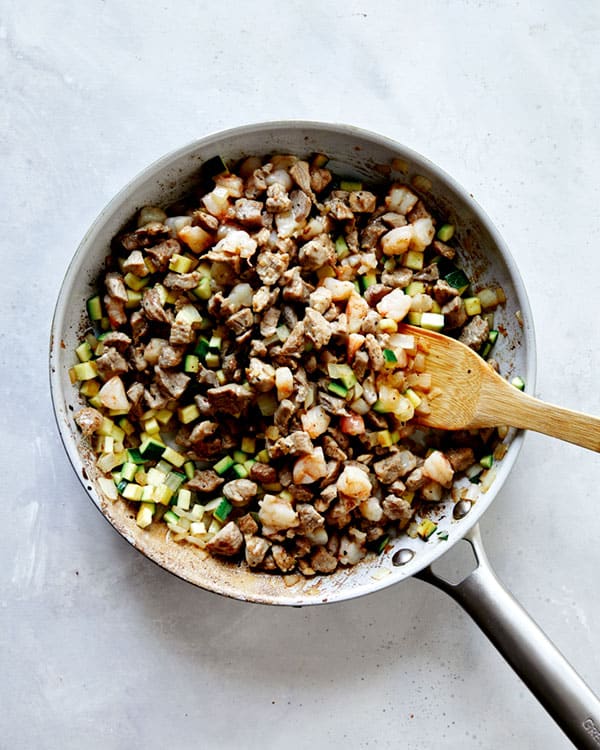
[352, 186]
[184, 498]
[414, 399]
[187, 414]
[319, 161]
[212, 360]
[248, 444]
[135, 457]
[457, 279]
[84, 351]
[518, 382]
[128, 471]
[446, 232]
[197, 528]
[342, 372]
[413, 260]
[240, 471]
[212, 504]
[435, 308]
[203, 290]
[132, 492]
[432, 321]
[267, 403]
[189, 315]
[170, 517]
[239, 456]
[134, 282]
[190, 469]
[472, 306]
[215, 342]
[223, 465]
[222, 510]
[426, 528]
[145, 514]
[201, 348]
[180, 263]
[151, 448]
[369, 279]
[415, 287]
[163, 494]
[89, 388]
[390, 357]
[151, 426]
[487, 461]
[174, 480]
[164, 416]
[163, 466]
[94, 308]
[384, 438]
[339, 389]
[84, 371]
[382, 544]
[414, 318]
[170, 455]
[341, 247]
[262, 456]
[215, 526]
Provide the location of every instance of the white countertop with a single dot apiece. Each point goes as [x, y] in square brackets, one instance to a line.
[102, 649]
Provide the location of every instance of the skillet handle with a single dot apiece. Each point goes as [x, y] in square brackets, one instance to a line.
[525, 647]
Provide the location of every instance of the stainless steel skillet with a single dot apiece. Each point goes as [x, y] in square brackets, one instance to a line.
[354, 153]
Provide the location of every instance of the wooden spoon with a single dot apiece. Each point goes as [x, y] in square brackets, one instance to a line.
[473, 395]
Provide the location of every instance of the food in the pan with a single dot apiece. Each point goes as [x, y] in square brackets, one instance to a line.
[247, 384]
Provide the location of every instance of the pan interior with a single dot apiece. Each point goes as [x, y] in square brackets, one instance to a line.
[355, 154]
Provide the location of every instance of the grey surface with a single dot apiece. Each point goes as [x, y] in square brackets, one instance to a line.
[101, 649]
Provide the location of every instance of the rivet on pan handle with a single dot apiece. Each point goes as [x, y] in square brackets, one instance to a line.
[525, 647]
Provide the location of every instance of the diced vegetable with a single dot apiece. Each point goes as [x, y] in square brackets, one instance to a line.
[446, 232]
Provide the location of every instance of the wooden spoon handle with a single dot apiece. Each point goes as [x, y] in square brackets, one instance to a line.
[572, 426]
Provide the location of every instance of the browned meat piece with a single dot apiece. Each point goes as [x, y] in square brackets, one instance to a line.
[153, 349]
[230, 399]
[475, 333]
[289, 315]
[310, 520]
[152, 306]
[263, 473]
[394, 220]
[247, 525]
[201, 218]
[375, 353]
[111, 363]
[339, 515]
[300, 173]
[205, 481]
[261, 375]
[300, 494]
[134, 264]
[162, 253]
[294, 344]
[375, 292]
[418, 212]
[322, 561]
[370, 235]
[136, 358]
[283, 414]
[202, 431]
[154, 398]
[278, 201]
[397, 509]
[317, 329]
[334, 469]
[378, 421]
[269, 322]
[296, 289]
[337, 207]
[271, 266]
[393, 467]
[301, 205]
[240, 321]
[264, 298]
[139, 325]
[171, 382]
[362, 201]
[256, 549]
[332, 450]
[327, 496]
[454, 313]
[319, 179]
[428, 274]
[416, 479]
[443, 292]
[248, 212]
[115, 309]
[227, 542]
[181, 282]
[397, 487]
[332, 404]
[360, 364]
[203, 404]
[135, 393]
[445, 250]
[89, 420]
[284, 561]
[255, 184]
[181, 333]
[171, 356]
[397, 279]
[117, 340]
[460, 458]
[144, 236]
[240, 492]
[294, 444]
[316, 253]
[370, 322]
[115, 286]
